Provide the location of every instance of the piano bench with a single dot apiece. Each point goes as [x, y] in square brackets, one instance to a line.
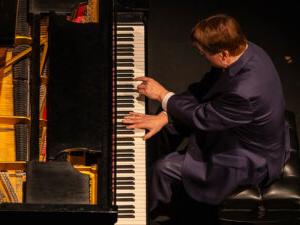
[277, 204]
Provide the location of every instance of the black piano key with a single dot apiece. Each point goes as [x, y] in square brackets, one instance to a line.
[124, 171]
[124, 178]
[120, 117]
[125, 79]
[125, 97]
[125, 86]
[125, 101]
[125, 166]
[130, 35]
[125, 46]
[125, 65]
[125, 71]
[126, 211]
[125, 195]
[125, 28]
[126, 90]
[125, 76]
[125, 155]
[125, 54]
[125, 60]
[120, 39]
[125, 132]
[126, 150]
[125, 187]
[125, 200]
[126, 216]
[124, 50]
[128, 183]
[125, 139]
[125, 144]
[125, 160]
[125, 105]
[123, 111]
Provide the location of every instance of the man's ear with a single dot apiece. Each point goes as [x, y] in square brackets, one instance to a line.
[225, 54]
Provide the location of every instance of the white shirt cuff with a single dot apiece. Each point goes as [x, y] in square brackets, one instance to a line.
[164, 102]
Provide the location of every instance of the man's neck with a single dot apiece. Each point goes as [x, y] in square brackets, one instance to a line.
[233, 59]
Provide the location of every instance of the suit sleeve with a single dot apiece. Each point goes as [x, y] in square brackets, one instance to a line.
[177, 128]
[221, 113]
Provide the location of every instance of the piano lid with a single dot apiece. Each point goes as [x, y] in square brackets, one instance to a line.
[57, 6]
[132, 5]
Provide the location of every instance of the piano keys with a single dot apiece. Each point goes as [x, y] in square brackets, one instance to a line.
[131, 148]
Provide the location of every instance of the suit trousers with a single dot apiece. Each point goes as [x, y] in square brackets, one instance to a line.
[167, 194]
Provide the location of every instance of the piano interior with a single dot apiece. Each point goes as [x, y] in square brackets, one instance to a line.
[65, 85]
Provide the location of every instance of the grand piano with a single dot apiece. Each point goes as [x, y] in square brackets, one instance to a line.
[94, 168]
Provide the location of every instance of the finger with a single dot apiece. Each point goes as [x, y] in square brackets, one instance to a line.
[149, 134]
[141, 86]
[141, 91]
[136, 114]
[132, 120]
[143, 78]
[131, 116]
[135, 126]
[130, 126]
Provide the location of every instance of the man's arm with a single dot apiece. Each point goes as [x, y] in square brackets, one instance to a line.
[224, 112]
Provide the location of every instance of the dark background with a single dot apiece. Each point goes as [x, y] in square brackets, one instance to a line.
[273, 25]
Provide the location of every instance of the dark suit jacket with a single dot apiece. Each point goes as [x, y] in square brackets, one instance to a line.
[238, 135]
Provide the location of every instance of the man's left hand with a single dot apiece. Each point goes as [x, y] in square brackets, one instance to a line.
[152, 123]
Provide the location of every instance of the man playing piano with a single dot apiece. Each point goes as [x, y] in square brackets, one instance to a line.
[233, 117]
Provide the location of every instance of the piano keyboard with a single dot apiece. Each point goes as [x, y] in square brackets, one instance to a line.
[131, 149]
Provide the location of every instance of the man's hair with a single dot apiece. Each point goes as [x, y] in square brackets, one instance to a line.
[217, 33]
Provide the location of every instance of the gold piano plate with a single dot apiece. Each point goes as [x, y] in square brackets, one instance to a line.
[12, 120]
[16, 165]
[91, 171]
[12, 177]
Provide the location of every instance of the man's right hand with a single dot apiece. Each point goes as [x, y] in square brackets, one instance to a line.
[151, 88]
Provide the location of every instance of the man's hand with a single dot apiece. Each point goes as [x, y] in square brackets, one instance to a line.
[152, 123]
[151, 88]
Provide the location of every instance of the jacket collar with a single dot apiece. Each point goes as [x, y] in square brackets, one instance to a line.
[234, 68]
